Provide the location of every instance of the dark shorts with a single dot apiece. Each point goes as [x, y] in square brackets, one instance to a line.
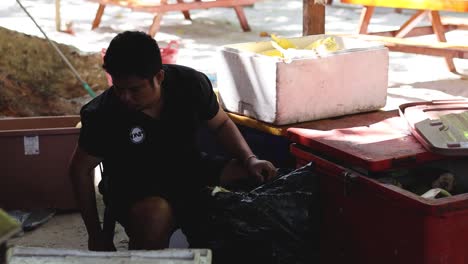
[187, 204]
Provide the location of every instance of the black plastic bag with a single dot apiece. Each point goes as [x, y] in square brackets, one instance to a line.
[277, 222]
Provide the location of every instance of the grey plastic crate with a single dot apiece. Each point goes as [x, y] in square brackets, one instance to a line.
[34, 255]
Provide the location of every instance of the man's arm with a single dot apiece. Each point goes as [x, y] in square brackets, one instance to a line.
[232, 140]
[81, 172]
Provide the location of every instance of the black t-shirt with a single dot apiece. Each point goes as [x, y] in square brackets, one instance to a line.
[142, 155]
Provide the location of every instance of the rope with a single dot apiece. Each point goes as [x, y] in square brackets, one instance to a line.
[85, 85]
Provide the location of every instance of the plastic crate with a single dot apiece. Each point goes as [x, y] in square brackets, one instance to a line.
[68, 256]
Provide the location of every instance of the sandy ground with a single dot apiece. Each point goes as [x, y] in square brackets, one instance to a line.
[411, 77]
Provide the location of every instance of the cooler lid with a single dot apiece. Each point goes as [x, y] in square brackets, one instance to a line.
[440, 126]
[380, 146]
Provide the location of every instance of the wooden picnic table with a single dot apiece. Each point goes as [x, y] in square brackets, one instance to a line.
[424, 9]
[159, 7]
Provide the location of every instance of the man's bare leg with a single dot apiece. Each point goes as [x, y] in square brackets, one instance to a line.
[151, 224]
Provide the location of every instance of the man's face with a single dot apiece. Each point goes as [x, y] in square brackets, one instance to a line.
[138, 93]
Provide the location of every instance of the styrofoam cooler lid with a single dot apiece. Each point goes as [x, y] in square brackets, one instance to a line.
[381, 146]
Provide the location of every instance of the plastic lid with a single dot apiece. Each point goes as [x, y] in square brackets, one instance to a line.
[380, 146]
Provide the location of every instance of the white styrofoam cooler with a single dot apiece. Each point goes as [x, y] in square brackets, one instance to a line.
[352, 80]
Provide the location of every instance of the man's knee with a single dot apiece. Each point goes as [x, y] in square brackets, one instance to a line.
[151, 222]
[151, 209]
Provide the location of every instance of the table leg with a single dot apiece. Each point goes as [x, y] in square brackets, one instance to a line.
[154, 28]
[58, 19]
[242, 18]
[411, 23]
[185, 12]
[440, 33]
[366, 15]
[97, 19]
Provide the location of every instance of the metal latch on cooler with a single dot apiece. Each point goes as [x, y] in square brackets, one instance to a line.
[349, 178]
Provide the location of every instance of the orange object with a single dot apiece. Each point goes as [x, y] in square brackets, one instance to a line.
[439, 5]
[169, 53]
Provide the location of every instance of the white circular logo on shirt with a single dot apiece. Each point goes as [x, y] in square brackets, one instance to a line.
[137, 135]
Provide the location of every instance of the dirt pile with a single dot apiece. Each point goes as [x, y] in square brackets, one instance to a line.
[34, 81]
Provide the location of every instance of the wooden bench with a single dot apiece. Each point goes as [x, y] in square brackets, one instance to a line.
[159, 7]
[424, 9]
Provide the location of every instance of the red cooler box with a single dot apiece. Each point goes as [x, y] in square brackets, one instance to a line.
[34, 157]
[372, 178]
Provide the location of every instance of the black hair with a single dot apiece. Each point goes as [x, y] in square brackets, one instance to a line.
[133, 53]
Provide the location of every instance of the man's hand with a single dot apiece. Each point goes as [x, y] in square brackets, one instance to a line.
[100, 243]
[262, 170]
